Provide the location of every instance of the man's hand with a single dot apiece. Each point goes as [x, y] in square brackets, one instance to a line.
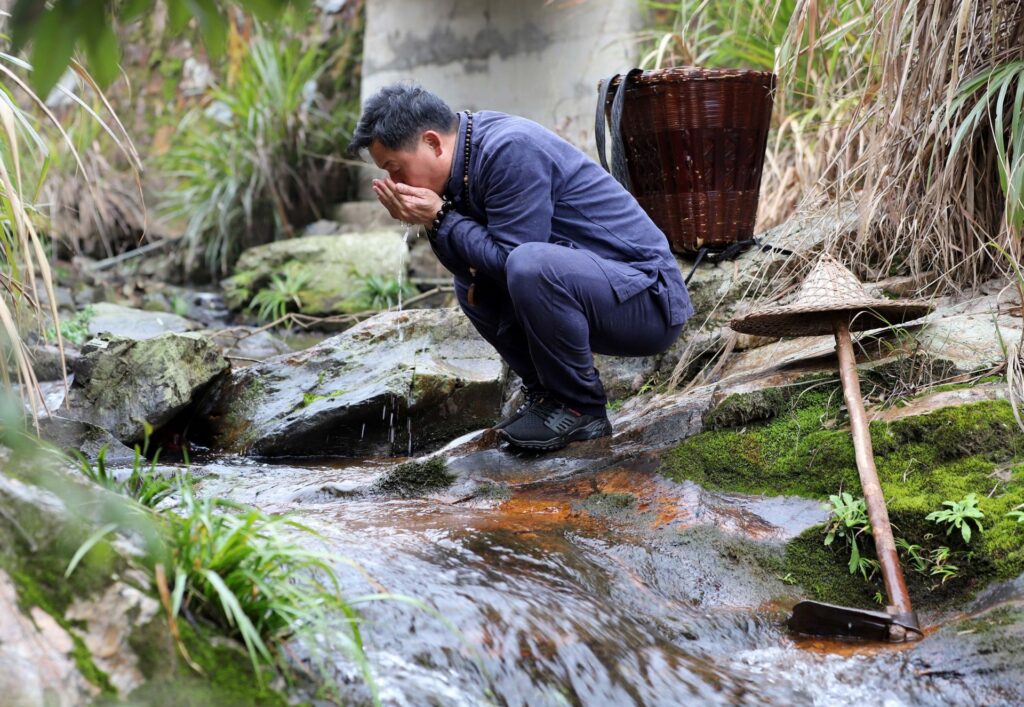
[407, 204]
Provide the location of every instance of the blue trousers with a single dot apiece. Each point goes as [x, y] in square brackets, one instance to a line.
[554, 311]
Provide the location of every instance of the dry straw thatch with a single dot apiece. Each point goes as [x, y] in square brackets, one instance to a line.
[934, 152]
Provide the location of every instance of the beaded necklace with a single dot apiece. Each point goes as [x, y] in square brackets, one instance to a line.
[446, 204]
[465, 165]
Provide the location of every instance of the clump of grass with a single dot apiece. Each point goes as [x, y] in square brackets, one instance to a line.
[235, 569]
[282, 295]
[379, 292]
[241, 569]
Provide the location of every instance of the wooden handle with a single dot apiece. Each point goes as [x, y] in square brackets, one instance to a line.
[881, 530]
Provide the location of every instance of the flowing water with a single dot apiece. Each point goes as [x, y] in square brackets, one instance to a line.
[545, 601]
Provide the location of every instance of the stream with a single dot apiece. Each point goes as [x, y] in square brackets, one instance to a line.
[554, 598]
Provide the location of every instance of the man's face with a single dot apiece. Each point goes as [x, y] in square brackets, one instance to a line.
[426, 164]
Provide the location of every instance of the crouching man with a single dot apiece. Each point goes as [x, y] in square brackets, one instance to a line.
[553, 260]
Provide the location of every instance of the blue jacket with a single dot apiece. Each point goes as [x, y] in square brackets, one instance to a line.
[527, 184]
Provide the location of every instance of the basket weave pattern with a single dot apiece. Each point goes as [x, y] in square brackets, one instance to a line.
[695, 142]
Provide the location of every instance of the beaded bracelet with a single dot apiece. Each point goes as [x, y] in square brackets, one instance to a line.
[433, 228]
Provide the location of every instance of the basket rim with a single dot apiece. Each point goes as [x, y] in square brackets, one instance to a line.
[689, 73]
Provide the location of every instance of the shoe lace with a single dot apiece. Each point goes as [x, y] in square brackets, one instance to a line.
[530, 398]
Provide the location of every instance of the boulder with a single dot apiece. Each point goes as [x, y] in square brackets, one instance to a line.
[327, 269]
[117, 320]
[353, 216]
[121, 382]
[397, 382]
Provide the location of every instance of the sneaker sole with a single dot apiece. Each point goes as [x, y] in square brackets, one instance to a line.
[594, 430]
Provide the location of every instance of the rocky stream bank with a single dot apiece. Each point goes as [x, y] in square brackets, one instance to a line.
[655, 567]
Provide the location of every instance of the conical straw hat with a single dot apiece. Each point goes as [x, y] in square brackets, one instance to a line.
[830, 290]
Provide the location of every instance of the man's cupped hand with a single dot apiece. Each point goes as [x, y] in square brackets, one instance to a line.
[407, 204]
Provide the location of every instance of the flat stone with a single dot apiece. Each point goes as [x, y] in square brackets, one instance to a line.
[78, 435]
[134, 323]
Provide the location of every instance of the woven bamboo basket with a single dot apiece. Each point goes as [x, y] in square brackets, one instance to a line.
[694, 142]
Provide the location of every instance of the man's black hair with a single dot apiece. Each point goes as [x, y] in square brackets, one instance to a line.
[397, 114]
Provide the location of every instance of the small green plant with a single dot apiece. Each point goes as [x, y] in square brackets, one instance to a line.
[940, 564]
[179, 305]
[848, 522]
[1017, 514]
[144, 484]
[75, 329]
[959, 514]
[935, 563]
[273, 302]
[382, 292]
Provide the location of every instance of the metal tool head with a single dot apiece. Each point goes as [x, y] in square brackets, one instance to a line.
[815, 618]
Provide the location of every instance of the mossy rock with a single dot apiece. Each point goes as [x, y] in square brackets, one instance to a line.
[922, 461]
[415, 477]
[329, 268]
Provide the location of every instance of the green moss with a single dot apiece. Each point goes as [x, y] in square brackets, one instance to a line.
[922, 461]
[53, 598]
[759, 405]
[415, 477]
[89, 670]
[227, 674]
[608, 504]
[310, 398]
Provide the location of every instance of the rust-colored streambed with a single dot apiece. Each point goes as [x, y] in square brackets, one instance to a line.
[596, 589]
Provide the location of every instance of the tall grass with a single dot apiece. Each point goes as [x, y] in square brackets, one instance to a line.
[25, 271]
[257, 162]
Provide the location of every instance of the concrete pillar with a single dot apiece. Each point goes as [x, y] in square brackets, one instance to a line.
[538, 59]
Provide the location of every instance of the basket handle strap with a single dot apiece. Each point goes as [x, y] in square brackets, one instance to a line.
[619, 167]
[599, 120]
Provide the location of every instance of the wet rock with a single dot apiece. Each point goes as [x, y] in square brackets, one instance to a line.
[984, 650]
[414, 477]
[121, 382]
[327, 269]
[71, 435]
[117, 320]
[397, 381]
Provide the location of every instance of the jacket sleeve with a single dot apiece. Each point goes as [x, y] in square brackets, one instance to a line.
[517, 182]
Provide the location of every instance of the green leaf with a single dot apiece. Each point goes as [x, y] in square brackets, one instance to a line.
[53, 43]
[104, 54]
[89, 543]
